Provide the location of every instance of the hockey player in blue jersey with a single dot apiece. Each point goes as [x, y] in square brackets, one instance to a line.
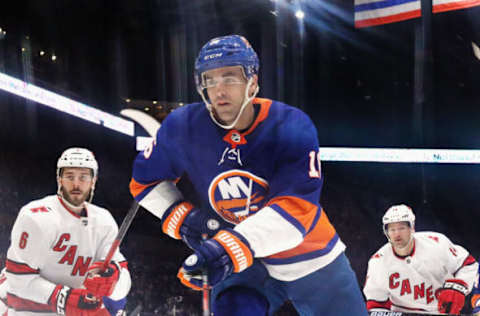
[255, 165]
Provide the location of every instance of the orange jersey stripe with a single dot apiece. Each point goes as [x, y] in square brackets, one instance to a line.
[238, 202]
[317, 239]
[475, 300]
[264, 108]
[303, 211]
[136, 188]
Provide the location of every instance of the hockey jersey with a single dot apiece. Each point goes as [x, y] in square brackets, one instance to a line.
[475, 300]
[52, 245]
[3, 292]
[264, 181]
[409, 283]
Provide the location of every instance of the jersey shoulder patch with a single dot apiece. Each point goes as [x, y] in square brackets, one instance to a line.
[376, 256]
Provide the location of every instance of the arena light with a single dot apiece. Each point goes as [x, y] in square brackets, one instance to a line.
[63, 104]
[300, 14]
[405, 155]
[388, 155]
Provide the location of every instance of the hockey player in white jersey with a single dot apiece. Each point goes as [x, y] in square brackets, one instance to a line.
[3, 293]
[417, 271]
[58, 244]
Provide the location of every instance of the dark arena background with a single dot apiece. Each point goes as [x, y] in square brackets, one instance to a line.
[399, 85]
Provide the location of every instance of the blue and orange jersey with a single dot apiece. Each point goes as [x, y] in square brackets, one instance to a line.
[475, 299]
[264, 181]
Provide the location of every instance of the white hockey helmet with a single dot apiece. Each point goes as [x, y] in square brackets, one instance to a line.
[77, 157]
[398, 213]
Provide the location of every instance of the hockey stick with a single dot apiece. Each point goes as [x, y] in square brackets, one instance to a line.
[205, 290]
[151, 126]
[116, 242]
[205, 295]
[476, 50]
[127, 221]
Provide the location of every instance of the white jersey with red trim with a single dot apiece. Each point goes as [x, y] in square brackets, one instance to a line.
[3, 292]
[52, 245]
[409, 283]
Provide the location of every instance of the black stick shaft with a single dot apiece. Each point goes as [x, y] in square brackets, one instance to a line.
[127, 221]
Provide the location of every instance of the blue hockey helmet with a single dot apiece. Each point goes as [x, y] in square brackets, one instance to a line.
[231, 50]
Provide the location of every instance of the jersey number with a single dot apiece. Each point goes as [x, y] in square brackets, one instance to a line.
[23, 240]
[315, 170]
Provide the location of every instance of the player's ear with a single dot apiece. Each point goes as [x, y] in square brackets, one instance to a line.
[254, 85]
[94, 181]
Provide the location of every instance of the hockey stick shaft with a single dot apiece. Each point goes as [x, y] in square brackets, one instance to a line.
[127, 221]
[206, 296]
[205, 289]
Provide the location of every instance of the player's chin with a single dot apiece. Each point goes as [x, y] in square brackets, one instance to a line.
[401, 245]
[226, 119]
[76, 199]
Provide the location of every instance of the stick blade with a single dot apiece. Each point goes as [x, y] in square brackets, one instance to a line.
[149, 124]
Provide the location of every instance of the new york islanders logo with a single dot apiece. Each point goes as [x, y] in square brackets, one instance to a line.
[237, 194]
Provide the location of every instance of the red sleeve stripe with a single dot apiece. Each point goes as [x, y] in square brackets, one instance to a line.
[376, 304]
[470, 260]
[22, 304]
[124, 264]
[20, 268]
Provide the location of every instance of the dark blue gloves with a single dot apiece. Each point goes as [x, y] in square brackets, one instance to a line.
[226, 253]
[183, 221]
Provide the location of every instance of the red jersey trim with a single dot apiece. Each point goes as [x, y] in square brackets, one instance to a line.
[20, 268]
[22, 304]
[68, 209]
[378, 304]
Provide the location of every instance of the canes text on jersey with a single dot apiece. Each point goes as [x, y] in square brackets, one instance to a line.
[419, 291]
[81, 264]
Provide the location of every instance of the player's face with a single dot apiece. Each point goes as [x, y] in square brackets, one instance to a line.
[226, 91]
[76, 184]
[400, 234]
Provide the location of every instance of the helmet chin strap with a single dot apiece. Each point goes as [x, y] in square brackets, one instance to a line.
[246, 100]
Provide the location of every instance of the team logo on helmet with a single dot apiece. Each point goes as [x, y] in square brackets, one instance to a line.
[237, 194]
